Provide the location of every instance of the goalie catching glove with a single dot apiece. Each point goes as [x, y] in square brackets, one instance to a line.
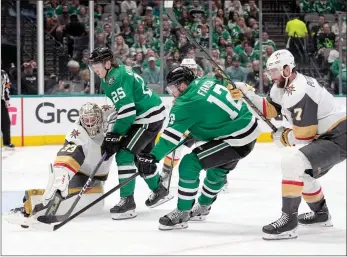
[146, 164]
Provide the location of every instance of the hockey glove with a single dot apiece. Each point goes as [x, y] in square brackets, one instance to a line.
[280, 137]
[241, 89]
[111, 144]
[146, 164]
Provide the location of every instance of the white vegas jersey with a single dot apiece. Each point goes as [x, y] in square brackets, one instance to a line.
[80, 152]
[307, 106]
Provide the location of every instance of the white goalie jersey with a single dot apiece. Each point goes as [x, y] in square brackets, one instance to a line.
[80, 152]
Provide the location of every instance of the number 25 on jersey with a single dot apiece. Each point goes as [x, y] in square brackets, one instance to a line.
[117, 95]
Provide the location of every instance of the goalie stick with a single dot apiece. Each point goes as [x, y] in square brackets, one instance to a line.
[168, 6]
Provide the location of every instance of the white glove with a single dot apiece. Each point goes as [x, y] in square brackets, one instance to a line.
[59, 178]
[245, 88]
[280, 137]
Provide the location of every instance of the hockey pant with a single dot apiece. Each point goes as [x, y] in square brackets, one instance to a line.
[178, 152]
[140, 139]
[217, 157]
[33, 197]
[301, 169]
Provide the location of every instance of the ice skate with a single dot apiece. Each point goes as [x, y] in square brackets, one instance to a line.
[174, 220]
[199, 212]
[320, 218]
[158, 196]
[125, 209]
[283, 228]
[17, 216]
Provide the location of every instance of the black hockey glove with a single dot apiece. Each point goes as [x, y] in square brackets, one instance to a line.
[146, 164]
[111, 144]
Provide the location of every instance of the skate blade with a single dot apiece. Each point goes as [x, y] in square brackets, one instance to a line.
[124, 216]
[198, 218]
[177, 226]
[161, 201]
[319, 224]
[285, 235]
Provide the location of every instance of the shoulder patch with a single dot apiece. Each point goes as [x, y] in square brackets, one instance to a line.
[289, 89]
[75, 133]
[111, 81]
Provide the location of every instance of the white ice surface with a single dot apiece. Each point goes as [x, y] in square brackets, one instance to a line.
[232, 228]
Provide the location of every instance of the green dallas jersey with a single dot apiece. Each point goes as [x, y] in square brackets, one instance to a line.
[135, 102]
[207, 110]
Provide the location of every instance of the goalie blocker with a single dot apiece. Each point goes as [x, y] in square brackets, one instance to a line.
[71, 169]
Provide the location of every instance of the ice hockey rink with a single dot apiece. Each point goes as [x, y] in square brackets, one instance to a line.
[232, 228]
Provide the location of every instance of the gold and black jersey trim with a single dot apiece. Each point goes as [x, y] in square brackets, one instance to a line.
[70, 156]
[270, 108]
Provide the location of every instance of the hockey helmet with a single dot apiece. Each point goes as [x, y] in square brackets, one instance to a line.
[190, 63]
[177, 75]
[100, 55]
[91, 118]
[279, 60]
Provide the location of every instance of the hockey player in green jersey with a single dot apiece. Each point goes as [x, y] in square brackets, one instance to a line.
[141, 114]
[228, 131]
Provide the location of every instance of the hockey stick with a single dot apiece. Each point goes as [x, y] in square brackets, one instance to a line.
[172, 164]
[50, 217]
[168, 6]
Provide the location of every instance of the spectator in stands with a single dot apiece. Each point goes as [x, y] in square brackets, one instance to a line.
[29, 78]
[325, 40]
[268, 52]
[85, 77]
[150, 53]
[75, 28]
[100, 40]
[228, 51]
[151, 74]
[235, 7]
[252, 77]
[323, 6]
[141, 45]
[138, 61]
[216, 56]
[307, 6]
[85, 60]
[141, 9]
[140, 30]
[83, 16]
[251, 10]
[228, 61]
[248, 55]
[248, 36]
[221, 37]
[236, 72]
[62, 20]
[74, 71]
[127, 32]
[266, 42]
[203, 36]
[267, 83]
[128, 5]
[128, 62]
[295, 6]
[340, 5]
[238, 31]
[74, 7]
[121, 49]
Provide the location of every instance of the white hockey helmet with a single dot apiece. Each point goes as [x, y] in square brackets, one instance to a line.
[190, 63]
[91, 118]
[280, 59]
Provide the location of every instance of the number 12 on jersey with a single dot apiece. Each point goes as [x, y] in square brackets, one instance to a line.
[229, 105]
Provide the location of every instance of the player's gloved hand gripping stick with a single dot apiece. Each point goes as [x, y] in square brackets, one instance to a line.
[168, 4]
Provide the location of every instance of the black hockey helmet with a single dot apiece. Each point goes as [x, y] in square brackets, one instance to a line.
[100, 55]
[177, 75]
[181, 73]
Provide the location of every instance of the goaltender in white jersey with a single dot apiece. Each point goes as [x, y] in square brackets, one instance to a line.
[318, 125]
[73, 164]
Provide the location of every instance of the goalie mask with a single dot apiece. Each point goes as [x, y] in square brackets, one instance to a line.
[91, 118]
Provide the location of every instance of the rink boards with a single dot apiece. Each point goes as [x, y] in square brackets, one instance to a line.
[44, 120]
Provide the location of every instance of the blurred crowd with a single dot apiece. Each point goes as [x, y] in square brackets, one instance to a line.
[136, 36]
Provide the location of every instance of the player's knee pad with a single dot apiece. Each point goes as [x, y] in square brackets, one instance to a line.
[216, 175]
[294, 165]
[190, 167]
